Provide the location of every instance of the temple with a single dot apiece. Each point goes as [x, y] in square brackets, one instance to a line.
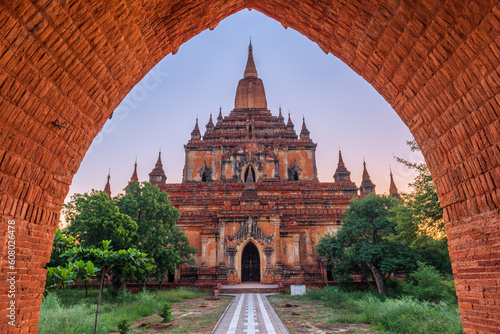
[250, 200]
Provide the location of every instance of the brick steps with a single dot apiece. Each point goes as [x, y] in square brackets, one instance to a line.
[249, 288]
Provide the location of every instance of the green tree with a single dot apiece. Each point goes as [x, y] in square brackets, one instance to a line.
[361, 243]
[419, 220]
[106, 259]
[157, 233]
[94, 217]
[60, 245]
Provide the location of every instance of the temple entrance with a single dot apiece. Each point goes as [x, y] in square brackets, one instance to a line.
[250, 264]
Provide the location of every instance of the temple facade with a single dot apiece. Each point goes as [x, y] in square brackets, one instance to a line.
[250, 200]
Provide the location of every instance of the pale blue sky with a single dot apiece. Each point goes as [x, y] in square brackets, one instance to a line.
[341, 109]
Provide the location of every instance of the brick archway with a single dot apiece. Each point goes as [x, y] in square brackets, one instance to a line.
[66, 64]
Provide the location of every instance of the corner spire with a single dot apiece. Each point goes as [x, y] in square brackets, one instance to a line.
[304, 133]
[341, 173]
[157, 175]
[289, 124]
[341, 161]
[210, 124]
[219, 118]
[393, 190]
[134, 177]
[367, 185]
[196, 134]
[365, 172]
[107, 187]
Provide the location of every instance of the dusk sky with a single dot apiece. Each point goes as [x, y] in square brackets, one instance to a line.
[341, 109]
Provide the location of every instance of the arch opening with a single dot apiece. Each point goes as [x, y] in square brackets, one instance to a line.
[249, 171]
[250, 263]
[455, 120]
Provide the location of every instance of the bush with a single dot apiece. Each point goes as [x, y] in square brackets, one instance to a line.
[124, 296]
[146, 303]
[177, 295]
[75, 319]
[426, 284]
[408, 315]
[401, 315]
[166, 312]
[123, 326]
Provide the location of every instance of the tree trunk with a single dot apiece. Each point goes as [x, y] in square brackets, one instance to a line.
[379, 278]
[99, 298]
[86, 293]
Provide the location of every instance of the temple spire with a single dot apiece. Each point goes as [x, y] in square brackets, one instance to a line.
[250, 70]
[250, 93]
[134, 177]
[304, 133]
[289, 124]
[107, 187]
[210, 124]
[219, 118]
[341, 161]
[341, 173]
[393, 190]
[196, 134]
[157, 175]
[367, 185]
[365, 172]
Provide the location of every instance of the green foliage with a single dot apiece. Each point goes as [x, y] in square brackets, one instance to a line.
[408, 315]
[177, 295]
[61, 244]
[67, 311]
[59, 277]
[362, 244]
[392, 315]
[157, 233]
[426, 283]
[105, 257]
[124, 296]
[166, 312]
[419, 221]
[123, 326]
[67, 319]
[94, 217]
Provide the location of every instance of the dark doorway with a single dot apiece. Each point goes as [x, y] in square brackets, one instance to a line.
[250, 264]
[249, 170]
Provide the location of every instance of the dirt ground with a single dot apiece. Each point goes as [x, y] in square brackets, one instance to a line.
[193, 316]
[312, 317]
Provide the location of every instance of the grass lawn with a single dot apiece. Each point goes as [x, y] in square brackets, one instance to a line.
[334, 311]
[193, 311]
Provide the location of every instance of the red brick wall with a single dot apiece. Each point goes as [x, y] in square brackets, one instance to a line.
[65, 66]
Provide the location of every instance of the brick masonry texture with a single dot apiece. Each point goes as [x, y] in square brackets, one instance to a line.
[65, 65]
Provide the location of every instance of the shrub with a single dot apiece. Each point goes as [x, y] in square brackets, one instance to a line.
[426, 283]
[123, 326]
[74, 319]
[166, 312]
[145, 304]
[408, 315]
[124, 296]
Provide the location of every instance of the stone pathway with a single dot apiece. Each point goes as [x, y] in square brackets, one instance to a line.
[250, 313]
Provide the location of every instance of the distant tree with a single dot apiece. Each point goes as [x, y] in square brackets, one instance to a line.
[361, 242]
[419, 221]
[157, 233]
[94, 217]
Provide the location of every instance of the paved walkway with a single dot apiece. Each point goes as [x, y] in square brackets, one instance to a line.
[250, 313]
